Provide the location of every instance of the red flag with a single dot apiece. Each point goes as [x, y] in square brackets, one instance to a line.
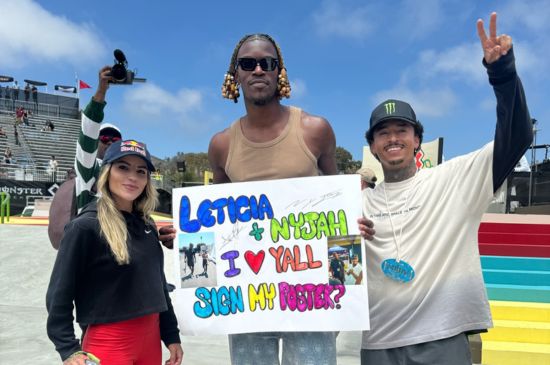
[83, 85]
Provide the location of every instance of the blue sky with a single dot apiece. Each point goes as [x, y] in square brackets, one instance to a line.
[343, 58]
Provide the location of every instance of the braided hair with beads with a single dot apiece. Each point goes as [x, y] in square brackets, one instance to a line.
[230, 87]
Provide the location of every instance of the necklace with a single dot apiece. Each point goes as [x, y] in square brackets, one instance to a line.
[397, 269]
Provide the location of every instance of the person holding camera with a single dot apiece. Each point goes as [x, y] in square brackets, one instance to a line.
[93, 140]
[110, 265]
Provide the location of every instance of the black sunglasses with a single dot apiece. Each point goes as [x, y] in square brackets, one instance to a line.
[266, 63]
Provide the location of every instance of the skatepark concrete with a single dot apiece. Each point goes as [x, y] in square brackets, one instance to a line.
[26, 261]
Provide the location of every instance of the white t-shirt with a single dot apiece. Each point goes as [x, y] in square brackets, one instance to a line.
[53, 165]
[357, 269]
[439, 240]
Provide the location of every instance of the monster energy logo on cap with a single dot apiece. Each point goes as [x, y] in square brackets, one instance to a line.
[391, 109]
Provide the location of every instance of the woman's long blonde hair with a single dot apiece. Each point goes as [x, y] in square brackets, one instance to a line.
[111, 222]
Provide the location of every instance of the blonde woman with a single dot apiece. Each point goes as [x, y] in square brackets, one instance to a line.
[110, 265]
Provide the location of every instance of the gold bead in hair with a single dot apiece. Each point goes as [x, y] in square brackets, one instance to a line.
[283, 86]
[230, 89]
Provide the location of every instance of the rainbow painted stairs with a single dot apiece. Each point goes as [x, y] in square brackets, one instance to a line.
[516, 267]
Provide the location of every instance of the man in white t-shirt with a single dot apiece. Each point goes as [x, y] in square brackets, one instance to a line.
[52, 167]
[354, 274]
[426, 289]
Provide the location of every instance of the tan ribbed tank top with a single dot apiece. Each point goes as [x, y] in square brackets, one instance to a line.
[283, 157]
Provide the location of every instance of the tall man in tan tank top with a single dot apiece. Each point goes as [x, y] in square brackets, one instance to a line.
[271, 141]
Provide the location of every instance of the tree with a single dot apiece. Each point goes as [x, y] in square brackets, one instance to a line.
[345, 162]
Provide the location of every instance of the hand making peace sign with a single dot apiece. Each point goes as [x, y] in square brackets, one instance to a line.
[493, 47]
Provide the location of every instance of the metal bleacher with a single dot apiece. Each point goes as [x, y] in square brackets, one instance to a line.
[37, 146]
[61, 142]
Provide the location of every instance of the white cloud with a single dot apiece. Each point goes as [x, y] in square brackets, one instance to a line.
[334, 18]
[29, 33]
[150, 100]
[461, 62]
[404, 20]
[527, 23]
[419, 18]
[529, 15]
[464, 63]
[425, 102]
[151, 103]
[299, 88]
[532, 59]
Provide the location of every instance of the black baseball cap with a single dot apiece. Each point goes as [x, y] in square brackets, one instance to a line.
[391, 109]
[120, 149]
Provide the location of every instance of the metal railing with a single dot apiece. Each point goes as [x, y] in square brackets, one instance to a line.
[526, 189]
[38, 108]
[30, 173]
[24, 145]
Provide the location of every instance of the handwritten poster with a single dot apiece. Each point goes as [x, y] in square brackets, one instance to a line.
[279, 255]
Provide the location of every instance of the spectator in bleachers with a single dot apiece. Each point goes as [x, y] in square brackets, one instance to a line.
[26, 117]
[52, 168]
[48, 126]
[27, 92]
[19, 113]
[8, 95]
[8, 155]
[3, 133]
[34, 91]
[16, 135]
[15, 90]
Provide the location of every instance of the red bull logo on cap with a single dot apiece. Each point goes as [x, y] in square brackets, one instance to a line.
[133, 146]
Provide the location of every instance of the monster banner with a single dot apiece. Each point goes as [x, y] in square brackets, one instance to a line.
[279, 255]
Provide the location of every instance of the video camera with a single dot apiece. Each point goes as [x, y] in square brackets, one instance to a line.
[120, 73]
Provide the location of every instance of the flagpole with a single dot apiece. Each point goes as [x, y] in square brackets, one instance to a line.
[77, 88]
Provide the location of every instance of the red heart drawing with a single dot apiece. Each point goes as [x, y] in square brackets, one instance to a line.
[255, 261]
